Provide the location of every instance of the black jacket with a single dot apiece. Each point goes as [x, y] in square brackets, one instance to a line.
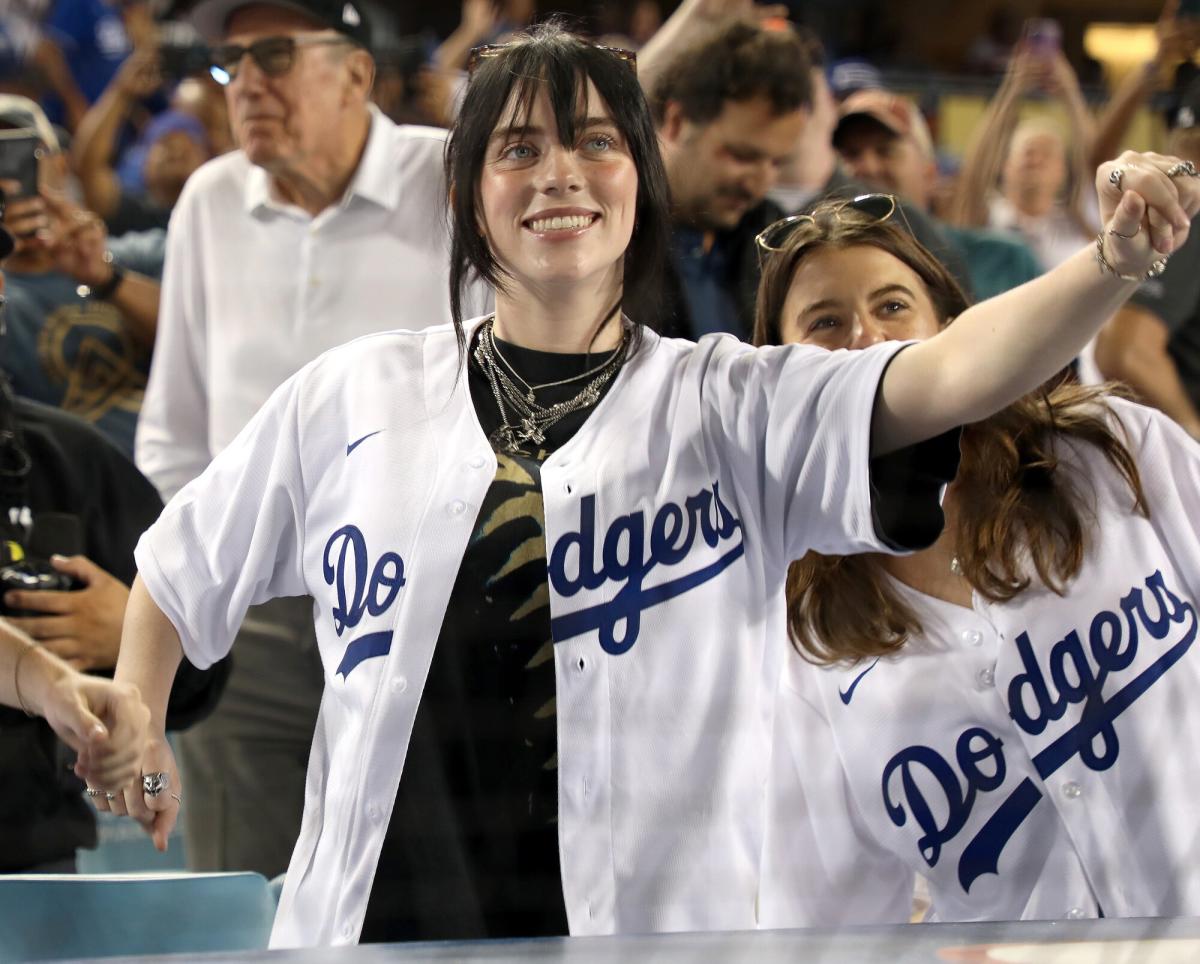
[73, 470]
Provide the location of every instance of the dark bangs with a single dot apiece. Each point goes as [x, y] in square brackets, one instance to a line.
[551, 58]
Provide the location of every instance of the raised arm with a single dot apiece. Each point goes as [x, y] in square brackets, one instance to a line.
[1178, 41]
[692, 20]
[95, 141]
[1007, 346]
[984, 155]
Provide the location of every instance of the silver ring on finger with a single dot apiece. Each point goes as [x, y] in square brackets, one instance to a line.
[110, 796]
[1117, 234]
[155, 783]
[1183, 169]
[93, 792]
[1117, 174]
[177, 798]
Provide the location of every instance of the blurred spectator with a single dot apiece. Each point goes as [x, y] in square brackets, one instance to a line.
[171, 146]
[1178, 39]
[885, 143]
[32, 63]
[729, 110]
[204, 99]
[408, 89]
[329, 223]
[66, 343]
[736, 105]
[644, 22]
[1153, 342]
[67, 490]
[851, 75]
[97, 36]
[1025, 177]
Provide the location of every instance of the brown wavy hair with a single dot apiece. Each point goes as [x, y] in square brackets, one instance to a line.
[1021, 513]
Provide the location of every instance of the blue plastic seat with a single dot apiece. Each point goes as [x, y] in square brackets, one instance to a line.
[47, 916]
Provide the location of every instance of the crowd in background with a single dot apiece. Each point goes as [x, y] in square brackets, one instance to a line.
[125, 105]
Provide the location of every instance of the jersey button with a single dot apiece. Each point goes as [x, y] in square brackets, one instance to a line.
[476, 461]
[399, 684]
[1076, 913]
[347, 931]
[986, 678]
[972, 637]
[457, 507]
[1072, 790]
[373, 813]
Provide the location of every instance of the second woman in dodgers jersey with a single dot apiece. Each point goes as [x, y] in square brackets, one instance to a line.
[1027, 741]
[670, 515]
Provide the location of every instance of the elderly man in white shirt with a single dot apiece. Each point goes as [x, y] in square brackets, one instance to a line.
[329, 223]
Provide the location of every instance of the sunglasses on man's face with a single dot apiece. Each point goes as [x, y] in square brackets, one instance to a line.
[274, 56]
[485, 51]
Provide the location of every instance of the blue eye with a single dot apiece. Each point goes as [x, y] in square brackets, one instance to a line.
[599, 143]
[517, 152]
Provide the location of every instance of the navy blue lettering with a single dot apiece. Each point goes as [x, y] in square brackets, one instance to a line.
[625, 559]
[1074, 679]
[1033, 680]
[584, 542]
[345, 566]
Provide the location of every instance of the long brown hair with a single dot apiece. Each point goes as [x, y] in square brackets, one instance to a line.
[1021, 513]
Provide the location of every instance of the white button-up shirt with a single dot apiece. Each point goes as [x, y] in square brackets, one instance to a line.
[255, 288]
[1031, 759]
[670, 519]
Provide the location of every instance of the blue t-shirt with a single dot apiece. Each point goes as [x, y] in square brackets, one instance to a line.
[92, 35]
[63, 350]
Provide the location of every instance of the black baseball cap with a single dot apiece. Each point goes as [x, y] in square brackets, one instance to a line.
[347, 17]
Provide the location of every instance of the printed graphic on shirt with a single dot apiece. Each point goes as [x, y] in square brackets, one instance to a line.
[1092, 682]
[85, 350]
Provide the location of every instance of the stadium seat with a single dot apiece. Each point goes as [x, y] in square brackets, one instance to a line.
[47, 916]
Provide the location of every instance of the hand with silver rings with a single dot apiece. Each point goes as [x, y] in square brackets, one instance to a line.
[154, 798]
[1147, 202]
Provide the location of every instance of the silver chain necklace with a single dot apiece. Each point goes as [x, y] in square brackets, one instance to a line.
[530, 420]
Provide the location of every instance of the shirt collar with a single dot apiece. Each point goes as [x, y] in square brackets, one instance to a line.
[375, 179]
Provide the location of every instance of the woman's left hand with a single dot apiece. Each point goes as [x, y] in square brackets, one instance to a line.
[1147, 202]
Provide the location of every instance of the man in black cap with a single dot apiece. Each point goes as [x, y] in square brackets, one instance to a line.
[329, 223]
[1153, 343]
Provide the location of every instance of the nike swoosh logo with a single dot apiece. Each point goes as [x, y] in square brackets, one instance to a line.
[353, 445]
[848, 694]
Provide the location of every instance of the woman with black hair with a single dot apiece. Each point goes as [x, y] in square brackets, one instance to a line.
[547, 547]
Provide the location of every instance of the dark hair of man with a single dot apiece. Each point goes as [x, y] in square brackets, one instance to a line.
[738, 63]
[1021, 513]
[551, 58]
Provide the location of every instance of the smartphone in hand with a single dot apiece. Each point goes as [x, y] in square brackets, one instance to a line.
[20, 154]
[1043, 37]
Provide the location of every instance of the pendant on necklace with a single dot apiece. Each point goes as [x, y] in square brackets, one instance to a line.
[955, 566]
[529, 397]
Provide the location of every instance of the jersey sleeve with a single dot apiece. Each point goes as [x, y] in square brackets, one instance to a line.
[821, 866]
[1168, 461]
[794, 422]
[171, 445]
[232, 538]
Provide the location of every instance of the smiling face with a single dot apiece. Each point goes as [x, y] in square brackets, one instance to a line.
[855, 297]
[557, 213]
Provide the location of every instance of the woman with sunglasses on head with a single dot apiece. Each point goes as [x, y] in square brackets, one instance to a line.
[547, 547]
[1008, 713]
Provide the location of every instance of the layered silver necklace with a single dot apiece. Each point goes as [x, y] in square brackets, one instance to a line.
[515, 397]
